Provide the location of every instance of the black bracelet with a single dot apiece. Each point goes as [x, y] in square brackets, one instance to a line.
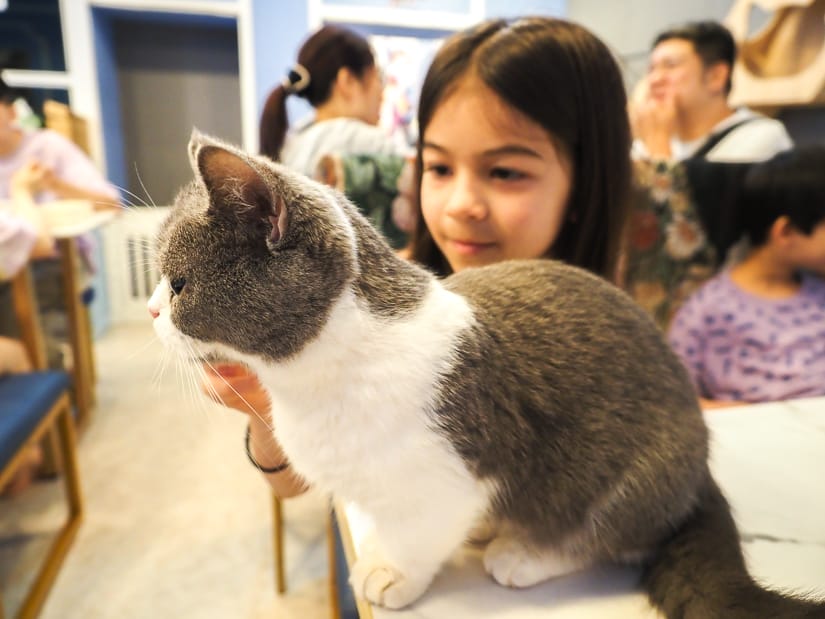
[275, 469]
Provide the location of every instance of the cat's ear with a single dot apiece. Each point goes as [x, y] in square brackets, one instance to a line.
[196, 140]
[235, 185]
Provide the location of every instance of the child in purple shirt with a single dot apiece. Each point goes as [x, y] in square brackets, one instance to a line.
[756, 332]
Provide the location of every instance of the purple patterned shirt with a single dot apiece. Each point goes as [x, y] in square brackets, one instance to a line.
[738, 346]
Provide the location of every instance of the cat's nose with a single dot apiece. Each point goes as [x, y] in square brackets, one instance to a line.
[155, 313]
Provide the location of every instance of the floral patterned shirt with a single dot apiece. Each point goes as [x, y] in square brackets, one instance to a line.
[668, 255]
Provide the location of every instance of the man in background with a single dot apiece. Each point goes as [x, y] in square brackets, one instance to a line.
[681, 109]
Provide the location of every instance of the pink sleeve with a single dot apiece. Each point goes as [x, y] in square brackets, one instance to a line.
[72, 165]
[17, 238]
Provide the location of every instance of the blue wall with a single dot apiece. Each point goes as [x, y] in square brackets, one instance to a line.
[279, 28]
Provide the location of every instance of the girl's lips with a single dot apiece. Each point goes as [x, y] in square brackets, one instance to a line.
[469, 247]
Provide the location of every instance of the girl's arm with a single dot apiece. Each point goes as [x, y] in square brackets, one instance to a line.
[35, 177]
[235, 387]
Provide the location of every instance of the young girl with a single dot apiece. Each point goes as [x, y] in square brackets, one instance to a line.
[337, 75]
[756, 332]
[505, 171]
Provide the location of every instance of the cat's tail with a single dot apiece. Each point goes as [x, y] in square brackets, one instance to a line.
[700, 572]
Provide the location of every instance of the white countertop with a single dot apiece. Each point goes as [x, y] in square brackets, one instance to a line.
[769, 460]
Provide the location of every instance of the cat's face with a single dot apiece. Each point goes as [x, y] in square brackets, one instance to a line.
[251, 258]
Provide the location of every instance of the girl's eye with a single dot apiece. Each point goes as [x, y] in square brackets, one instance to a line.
[507, 174]
[438, 169]
[177, 285]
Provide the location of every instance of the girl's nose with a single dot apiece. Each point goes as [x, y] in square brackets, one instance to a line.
[466, 200]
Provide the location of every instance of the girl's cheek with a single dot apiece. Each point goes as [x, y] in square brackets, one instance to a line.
[429, 202]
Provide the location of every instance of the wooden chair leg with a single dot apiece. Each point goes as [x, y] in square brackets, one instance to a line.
[278, 544]
[52, 463]
[68, 447]
[334, 600]
[57, 553]
[78, 339]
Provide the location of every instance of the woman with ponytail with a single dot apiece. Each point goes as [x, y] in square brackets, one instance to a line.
[336, 73]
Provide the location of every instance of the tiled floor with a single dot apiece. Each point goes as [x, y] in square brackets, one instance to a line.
[177, 523]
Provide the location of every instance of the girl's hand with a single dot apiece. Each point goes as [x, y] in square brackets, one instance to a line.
[234, 386]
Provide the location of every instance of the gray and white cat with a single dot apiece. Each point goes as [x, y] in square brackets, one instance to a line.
[529, 395]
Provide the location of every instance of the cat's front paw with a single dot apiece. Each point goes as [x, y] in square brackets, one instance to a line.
[513, 564]
[381, 584]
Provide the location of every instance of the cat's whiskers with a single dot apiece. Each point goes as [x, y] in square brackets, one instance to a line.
[190, 385]
[192, 392]
[129, 204]
[194, 377]
[142, 348]
[161, 368]
[151, 203]
[145, 267]
[139, 202]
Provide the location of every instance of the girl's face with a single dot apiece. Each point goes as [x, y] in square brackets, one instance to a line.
[494, 186]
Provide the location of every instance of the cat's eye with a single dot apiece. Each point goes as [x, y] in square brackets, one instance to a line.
[177, 285]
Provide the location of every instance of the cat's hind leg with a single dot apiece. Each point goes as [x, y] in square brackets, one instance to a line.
[514, 563]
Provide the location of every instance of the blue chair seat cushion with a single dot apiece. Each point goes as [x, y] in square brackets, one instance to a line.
[24, 400]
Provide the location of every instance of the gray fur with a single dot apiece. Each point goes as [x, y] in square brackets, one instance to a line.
[567, 391]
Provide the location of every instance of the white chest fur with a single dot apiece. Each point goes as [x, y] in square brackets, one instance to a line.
[351, 409]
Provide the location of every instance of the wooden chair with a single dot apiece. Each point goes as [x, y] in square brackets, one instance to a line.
[35, 405]
[280, 568]
[278, 543]
[59, 117]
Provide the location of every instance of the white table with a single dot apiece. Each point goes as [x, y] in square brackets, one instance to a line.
[769, 460]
